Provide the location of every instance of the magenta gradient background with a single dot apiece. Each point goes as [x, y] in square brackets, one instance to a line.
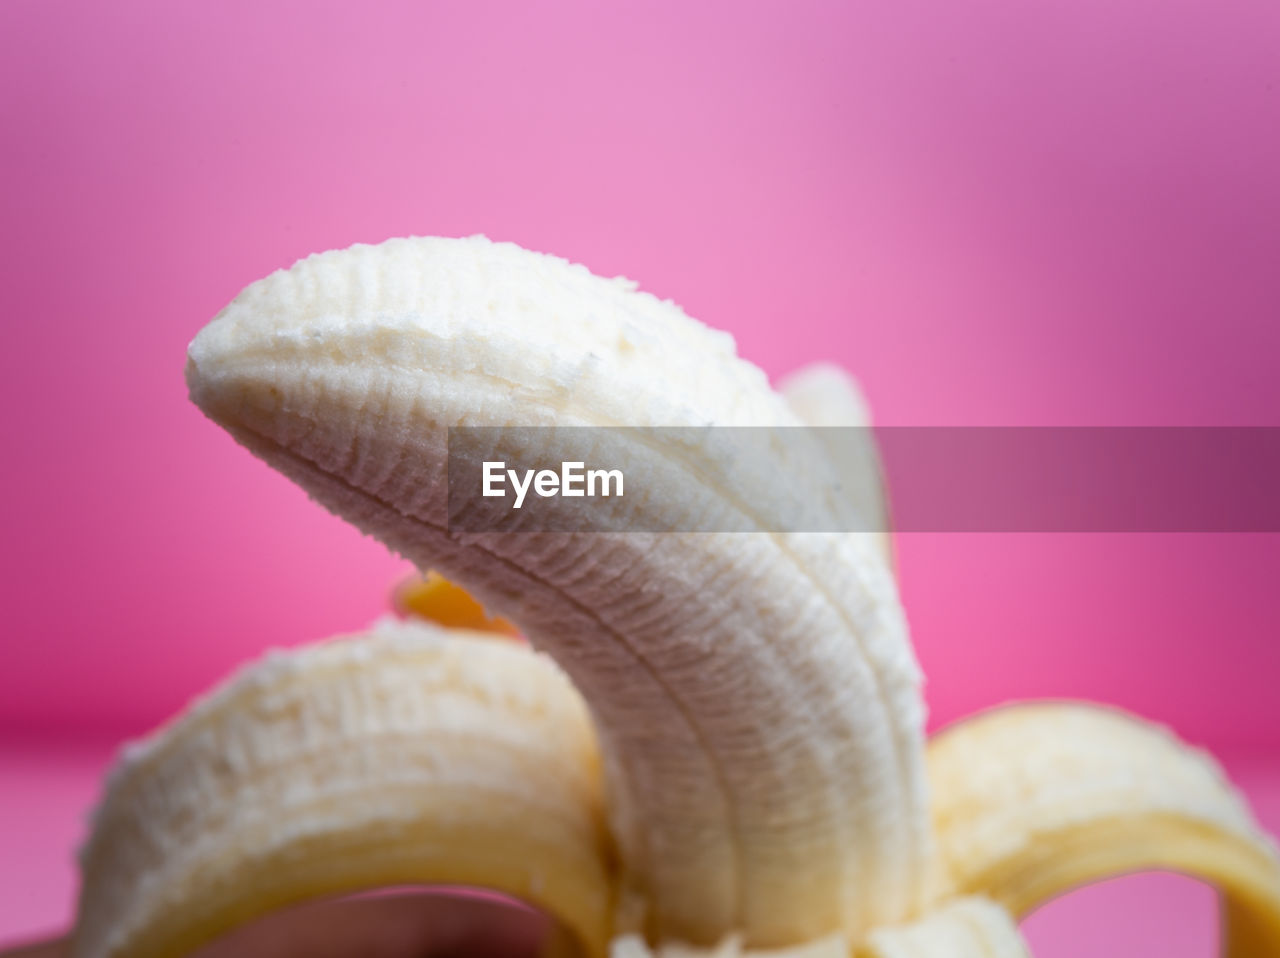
[993, 212]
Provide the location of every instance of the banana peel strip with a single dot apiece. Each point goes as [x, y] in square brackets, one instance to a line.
[405, 756]
[1035, 799]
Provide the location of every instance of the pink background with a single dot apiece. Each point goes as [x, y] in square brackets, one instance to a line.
[994, 212]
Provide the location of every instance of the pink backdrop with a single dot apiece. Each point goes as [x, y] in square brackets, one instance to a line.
[994, 212]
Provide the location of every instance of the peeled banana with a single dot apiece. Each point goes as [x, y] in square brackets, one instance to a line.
[746, 768]
[797, 815]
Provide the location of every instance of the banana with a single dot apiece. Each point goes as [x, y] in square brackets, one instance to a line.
[745, 772]
[1035, 799]
[408, 755]
[757, 699]
[827, 398]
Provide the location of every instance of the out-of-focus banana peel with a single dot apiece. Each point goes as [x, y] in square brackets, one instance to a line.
[434, 598]
[1033, 800]
[408, 756]
[828, 398]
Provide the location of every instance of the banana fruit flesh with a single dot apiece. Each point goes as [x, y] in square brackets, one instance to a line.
[972, 927]
[732, 761]
[757, 698]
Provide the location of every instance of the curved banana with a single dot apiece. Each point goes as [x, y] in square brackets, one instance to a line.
[405, 756]
[756, 695]
[1032, 800]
